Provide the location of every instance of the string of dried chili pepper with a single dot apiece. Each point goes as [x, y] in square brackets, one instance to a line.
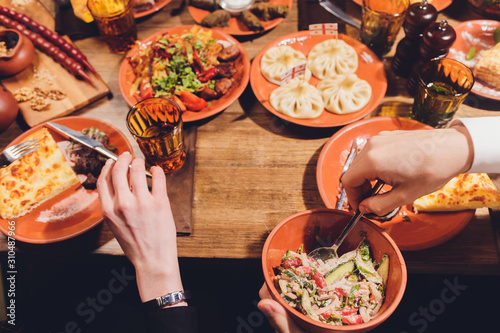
[50, 35]
[47, 47]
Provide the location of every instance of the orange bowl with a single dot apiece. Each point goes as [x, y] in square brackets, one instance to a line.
[300, 229]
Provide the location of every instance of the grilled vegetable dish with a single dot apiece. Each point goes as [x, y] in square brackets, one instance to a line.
[344, 291]
[191, 68]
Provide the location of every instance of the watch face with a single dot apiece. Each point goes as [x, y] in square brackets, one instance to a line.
[172, 298]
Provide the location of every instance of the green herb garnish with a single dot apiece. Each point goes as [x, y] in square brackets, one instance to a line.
[471, 54]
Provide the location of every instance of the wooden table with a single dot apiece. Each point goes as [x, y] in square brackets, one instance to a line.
[253, 170]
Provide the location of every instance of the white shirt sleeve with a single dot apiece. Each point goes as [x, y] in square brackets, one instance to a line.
[485, 134]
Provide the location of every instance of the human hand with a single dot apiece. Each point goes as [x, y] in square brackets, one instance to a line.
[414, 163]
[142, 222]
[276, 314]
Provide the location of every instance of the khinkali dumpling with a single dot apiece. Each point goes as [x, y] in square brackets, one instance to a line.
[344, 93]
[332, 57]
[278, 59]
[297, 99]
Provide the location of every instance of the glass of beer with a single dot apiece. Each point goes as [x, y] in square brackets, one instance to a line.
[116, 23]
[156, 124]
[381, 21]
[442, 87]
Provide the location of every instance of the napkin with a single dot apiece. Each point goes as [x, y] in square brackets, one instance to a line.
[180, 185]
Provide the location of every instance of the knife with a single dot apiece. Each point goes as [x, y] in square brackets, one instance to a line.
[339, 13]
[352, 154]
[86, 141]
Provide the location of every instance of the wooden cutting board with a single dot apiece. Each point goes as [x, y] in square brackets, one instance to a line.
[79, 93]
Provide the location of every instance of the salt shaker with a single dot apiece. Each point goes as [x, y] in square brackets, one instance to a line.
[417, 18]
[436, 42]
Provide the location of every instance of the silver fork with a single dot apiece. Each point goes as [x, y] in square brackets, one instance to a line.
[14, 152]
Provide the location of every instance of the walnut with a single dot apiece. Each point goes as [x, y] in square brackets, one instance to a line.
[56, 95]
[39, 103]
[23, 94]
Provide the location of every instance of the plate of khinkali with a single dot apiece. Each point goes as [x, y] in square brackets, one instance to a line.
[343, 81]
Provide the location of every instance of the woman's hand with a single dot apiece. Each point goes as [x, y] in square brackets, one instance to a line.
[414, 163]
[142, 222]
[276, 314]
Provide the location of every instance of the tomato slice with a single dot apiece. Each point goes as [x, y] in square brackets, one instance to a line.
[145, 88]
[191, 101]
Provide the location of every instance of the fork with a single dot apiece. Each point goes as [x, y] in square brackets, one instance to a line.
[356, 143]
[14, 152]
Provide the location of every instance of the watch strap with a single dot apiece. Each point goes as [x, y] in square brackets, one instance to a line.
[167, 300]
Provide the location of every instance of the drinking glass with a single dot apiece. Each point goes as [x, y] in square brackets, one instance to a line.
[381, 21]
[156, 124]
[116, 23]
[443, 85]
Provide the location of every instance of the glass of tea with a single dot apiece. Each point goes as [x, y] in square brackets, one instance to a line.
[380, 23]
[156, 124]
[116, 23]
[443, 85]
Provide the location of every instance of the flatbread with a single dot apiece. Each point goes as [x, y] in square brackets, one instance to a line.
[466, 191]
[488, 67]
[34, 178]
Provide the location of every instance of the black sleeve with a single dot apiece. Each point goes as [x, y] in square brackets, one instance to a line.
[178, 319]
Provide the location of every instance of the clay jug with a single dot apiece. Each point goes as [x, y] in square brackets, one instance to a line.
[21, 52]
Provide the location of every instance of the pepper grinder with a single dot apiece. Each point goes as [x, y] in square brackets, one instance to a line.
[436, 42]
[417, 18]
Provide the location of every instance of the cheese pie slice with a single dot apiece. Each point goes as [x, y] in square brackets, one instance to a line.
[34, 178]
[466, 191]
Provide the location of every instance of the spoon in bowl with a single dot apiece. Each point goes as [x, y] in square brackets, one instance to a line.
[324, 253]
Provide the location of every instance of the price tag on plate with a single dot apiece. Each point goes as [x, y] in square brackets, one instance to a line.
[324, 29]
[293, 73]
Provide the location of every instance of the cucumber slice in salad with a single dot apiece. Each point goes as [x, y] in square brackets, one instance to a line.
[339, 272]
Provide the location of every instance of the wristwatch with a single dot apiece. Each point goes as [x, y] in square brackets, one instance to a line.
[167, 300]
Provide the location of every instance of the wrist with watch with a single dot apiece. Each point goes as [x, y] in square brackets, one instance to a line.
[168, 300]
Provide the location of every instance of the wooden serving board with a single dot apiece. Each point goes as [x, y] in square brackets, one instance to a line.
[79, 93]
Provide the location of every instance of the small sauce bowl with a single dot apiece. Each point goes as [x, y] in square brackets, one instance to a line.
[235, 7]
[19, 52]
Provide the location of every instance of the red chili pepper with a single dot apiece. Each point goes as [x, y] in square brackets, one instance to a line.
[319, 279]
[198, 66]
[47, 47]
[204, 77]
[191, 101]
[50, 35]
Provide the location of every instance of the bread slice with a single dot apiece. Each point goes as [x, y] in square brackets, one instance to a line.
[466, 191]
[488, 67]
[34, 178]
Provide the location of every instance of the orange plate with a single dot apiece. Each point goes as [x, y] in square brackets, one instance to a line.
[424, 230]
[372, 72]
[478, 33]
[235, 27]
[29, 230]
[439, 4]
[156, 7]
[126, 76]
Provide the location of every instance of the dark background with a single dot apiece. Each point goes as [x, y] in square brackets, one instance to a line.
[225, 293]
